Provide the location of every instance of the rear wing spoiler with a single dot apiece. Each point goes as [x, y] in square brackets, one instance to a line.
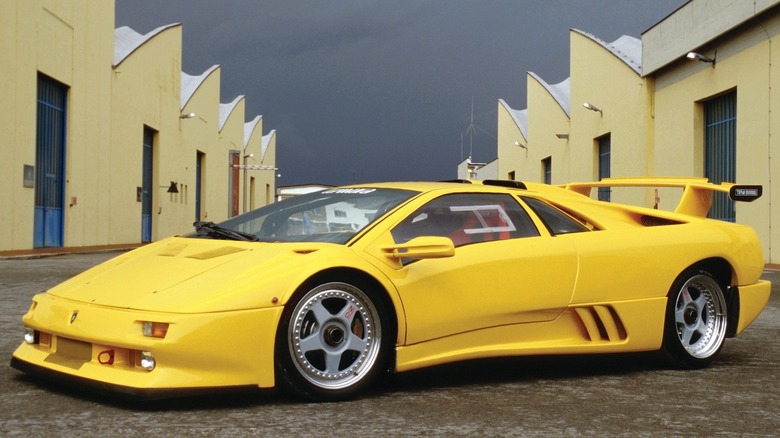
[697, 192]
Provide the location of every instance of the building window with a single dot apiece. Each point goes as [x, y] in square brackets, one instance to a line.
[720, 147]
[547, 170]
[605, 150]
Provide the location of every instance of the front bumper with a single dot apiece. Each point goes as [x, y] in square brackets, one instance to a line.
[101, 347]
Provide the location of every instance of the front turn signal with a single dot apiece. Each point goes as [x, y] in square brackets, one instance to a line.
[155, 329]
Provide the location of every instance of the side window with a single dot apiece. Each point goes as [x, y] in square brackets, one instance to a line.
[556, 221]
[468, 218]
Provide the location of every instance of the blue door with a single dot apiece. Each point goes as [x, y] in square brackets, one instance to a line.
[720, 150]
[146, 187]
[198, 182]
[605, 168]
[49, 163]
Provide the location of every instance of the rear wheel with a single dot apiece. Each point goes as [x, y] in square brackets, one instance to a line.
[331, 343]
[695, 319]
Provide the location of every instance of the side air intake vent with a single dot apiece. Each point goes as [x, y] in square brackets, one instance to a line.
[602, 323]
[652, 221]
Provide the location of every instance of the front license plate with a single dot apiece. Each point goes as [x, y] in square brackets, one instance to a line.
[71, 353]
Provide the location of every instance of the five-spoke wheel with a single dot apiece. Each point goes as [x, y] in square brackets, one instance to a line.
[696, 319]
[333, 344]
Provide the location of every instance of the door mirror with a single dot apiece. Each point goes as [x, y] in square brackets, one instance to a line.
[423, 247]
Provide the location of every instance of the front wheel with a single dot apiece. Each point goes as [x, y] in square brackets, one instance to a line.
[331, 343]
[695, 320]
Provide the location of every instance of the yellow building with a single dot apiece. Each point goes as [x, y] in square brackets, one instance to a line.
[557, 141]
[693, 97]
[547, 147]
[716, 119]
[513, 147]
[107, 141]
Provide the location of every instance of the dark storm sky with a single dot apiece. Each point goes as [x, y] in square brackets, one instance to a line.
[372, 90]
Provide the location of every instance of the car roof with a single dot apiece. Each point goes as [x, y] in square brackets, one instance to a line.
[426, 186]
[487, 186]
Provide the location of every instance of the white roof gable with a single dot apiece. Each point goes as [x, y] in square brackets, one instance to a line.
[561, 92]
[126, 41]
[626, 48]
[267, 140]
[519, 116]
[249, 128]
[225, 109]
[190, 84]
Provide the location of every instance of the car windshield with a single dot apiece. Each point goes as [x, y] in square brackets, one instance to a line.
[333, 215]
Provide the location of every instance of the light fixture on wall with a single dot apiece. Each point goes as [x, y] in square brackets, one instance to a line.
[517, 143]
[699, 57]
[562, 136]
[174, 188]
[187, 116]
[592, 107]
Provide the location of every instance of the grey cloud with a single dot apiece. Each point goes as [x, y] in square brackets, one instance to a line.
[383, 87]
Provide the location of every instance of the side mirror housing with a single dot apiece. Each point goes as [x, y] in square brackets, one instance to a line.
[423, 247]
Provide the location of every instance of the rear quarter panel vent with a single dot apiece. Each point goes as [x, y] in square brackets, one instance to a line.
[652, 221]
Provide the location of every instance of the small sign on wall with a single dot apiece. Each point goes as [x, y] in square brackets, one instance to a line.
[29, 176]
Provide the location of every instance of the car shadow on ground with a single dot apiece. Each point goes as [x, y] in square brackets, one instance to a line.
[734, 358]
[524, 369]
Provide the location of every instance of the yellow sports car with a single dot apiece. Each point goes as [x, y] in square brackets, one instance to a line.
[321, 294]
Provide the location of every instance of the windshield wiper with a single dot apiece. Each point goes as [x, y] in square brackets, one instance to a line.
[213, 230]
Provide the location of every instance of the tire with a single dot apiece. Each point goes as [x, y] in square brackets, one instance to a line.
[696, 319]
[332, 342]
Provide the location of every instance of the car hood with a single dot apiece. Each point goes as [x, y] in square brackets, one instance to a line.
[188, 275]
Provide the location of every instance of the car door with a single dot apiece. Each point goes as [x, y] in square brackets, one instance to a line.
[504, 271]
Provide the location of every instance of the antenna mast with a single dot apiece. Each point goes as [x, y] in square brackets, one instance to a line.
[472, 129]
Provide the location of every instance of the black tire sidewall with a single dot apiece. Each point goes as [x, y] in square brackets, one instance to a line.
[673, 349]
[288, 376]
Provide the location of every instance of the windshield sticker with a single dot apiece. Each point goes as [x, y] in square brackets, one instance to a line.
[492, 218]
[349, 191]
